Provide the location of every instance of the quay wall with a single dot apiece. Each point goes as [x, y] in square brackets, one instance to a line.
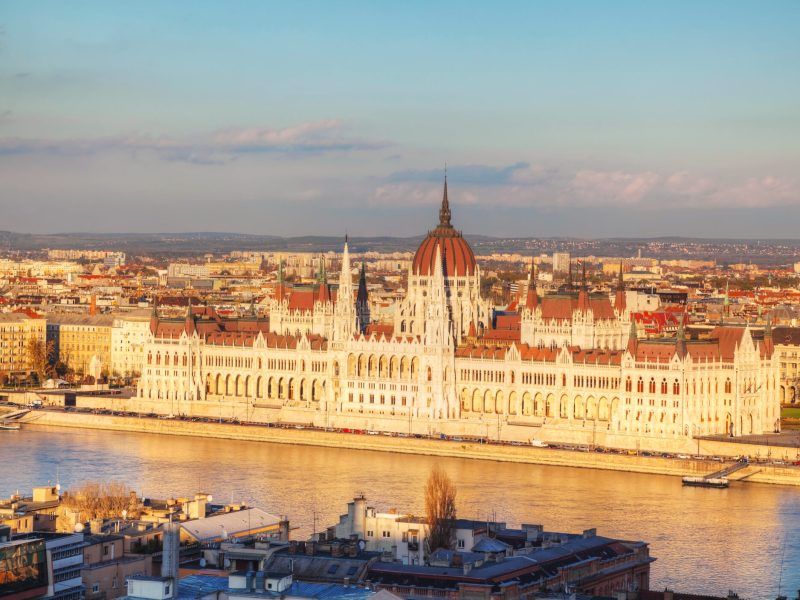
[409, 445]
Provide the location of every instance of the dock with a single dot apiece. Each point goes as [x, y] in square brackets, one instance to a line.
[717, 479]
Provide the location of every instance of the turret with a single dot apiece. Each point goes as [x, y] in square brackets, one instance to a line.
[620, 300]
[680, 341]
[633, 340]
[362, 300]
[154, 316]
[188, 324]
[345, 314]
[532, 301]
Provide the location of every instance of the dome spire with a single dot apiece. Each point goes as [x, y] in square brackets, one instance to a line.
[444, 211]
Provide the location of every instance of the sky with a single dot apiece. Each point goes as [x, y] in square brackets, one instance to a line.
[561, 118]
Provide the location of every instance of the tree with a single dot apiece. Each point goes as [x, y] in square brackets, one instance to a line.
[99, 500]
[440, 508]
[39, 354]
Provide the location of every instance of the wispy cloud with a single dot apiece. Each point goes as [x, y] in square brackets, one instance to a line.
[546, 187]
[316, 137]
[465, 174]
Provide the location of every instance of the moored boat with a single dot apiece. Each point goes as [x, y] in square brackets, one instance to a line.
[712, 482]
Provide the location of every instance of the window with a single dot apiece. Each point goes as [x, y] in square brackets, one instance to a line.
[333, 568]
[387, 534]
[460, 543]
[95, 588]
[405, 536]
[369, 534]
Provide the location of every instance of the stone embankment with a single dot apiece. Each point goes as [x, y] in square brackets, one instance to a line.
[757, 473]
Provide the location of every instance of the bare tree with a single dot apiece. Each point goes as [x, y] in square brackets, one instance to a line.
[440, 508]
[98, 500]
[39, 354]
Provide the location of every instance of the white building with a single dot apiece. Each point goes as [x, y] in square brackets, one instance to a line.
[129, 334]
[571, 372]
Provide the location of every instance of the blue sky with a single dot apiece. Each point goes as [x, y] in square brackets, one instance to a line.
[591, 119]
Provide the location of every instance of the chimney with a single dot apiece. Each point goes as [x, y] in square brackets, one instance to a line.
[96, 526]
[171, 554]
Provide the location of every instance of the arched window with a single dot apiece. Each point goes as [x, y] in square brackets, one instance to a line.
[663, 386]
[652, 386]
[676, 388]
[628, 384]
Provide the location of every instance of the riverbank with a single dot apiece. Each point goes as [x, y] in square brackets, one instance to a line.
[404, 445]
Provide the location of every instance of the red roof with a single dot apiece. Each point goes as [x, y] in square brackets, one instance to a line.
[456, 255]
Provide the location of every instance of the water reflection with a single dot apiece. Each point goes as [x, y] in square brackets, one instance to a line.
[706, 541]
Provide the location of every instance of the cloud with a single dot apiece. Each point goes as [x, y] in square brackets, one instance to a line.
[466, 174]
[316, 137]
[547, 188]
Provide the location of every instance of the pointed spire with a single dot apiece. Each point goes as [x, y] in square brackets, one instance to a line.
[532, 301]
[620, 301]
[444, 211]
[188, 325]
[680, 338]
[361, 298]
[633, 338]
[281, 293]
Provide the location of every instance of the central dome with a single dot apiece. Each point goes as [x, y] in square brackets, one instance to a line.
[457, 257]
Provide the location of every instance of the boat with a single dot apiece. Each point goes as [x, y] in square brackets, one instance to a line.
[9, 426]
[711, 482]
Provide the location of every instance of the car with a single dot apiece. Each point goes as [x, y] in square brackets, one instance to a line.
[538, 443]
[796, 463]
[683, 456]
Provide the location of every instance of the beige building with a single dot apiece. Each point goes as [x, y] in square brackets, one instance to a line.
[106, 567]
[81, 340]
[16, 332]
[787, 355]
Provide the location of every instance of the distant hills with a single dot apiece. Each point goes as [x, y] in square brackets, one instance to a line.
[195, 243]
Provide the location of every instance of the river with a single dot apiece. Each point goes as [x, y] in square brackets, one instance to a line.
[706, 541]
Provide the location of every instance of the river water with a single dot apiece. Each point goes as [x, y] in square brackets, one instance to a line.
[706, 541]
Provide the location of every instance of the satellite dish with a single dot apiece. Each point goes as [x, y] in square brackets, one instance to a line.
[227, 563]
[78, 527]
[58, 487]
[361, 545]
[209, 498]
[203, 562]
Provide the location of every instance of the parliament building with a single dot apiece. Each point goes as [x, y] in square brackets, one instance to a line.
[575, 372]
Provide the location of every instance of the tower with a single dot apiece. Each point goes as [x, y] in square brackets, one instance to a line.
[345, 313]
[362, 300]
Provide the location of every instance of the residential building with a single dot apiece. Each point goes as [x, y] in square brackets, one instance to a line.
[82, 341]
[106, 567]
[17, 330]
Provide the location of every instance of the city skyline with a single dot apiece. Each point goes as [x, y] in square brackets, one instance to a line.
[583, 120]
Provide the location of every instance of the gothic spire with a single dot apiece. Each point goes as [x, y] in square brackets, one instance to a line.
[444, 211]
[620, 300]
[532, 300]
